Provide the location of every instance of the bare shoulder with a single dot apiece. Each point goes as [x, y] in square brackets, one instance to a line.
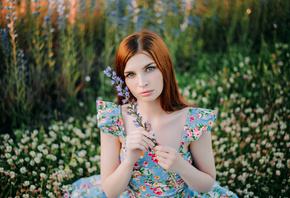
[180, 113]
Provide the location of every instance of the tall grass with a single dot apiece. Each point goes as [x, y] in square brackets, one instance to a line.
[48, 59]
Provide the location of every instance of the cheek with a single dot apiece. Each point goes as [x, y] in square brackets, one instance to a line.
[159, 79]
[130, 84]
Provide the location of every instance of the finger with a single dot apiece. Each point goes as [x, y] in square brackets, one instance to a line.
[167, 149]
[134, 146]
[145, 136]
[164, 155]
[162, 163]
[148, 141]
[141, 139]
[148, 136]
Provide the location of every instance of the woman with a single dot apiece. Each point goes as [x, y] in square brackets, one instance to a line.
[182, 164]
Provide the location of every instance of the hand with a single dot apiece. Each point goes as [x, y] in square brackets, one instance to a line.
[138, 142]
[169, 158]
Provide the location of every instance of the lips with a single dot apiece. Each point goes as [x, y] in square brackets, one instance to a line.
[146, 93]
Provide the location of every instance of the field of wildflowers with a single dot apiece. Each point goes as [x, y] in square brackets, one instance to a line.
[232, 56]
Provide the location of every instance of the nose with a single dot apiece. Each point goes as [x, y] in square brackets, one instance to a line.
[142, 81]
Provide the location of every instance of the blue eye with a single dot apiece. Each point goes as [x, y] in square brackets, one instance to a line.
[130, 75]
[150, 68]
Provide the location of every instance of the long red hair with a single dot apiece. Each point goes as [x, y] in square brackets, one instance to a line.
[149, 42]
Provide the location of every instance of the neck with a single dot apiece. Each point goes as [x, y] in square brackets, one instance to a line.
[150, 110]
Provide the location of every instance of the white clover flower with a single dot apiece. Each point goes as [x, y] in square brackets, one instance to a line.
[71, 119]
[82, 153]
[37, 160]
[228, 129]
[74, 141]
[7, 155]
[245, 129]
[26, 183]
[50, 194]
[1, 170]
[88, 164]
[43, 175]
[55, 127]
[48, 186]
[6, 137]
[73, 164]
[61, 162]
[26, 196]
[81, 160]
[34, 173]
[52, 134]
[65, 138]
[9, 148]
[88, 142]
[90, 170]
[45, 151]
[39, 155]
[32, 163]
[204, 100]
[70, 127]
[193, 94]
[23, 170]
[62, 145]
[32, 153]
[80, 170]
[10, 161]
[40, 147]
[35, 132]
[32, 188]
[23, 140]
[94, 168]
[78, 132]
[54, 146]
[12, 174]
[89, 130]
[17, 151]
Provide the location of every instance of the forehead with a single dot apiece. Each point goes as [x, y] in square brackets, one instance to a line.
[138, 61]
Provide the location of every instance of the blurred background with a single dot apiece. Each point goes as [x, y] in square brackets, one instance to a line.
[230, 55]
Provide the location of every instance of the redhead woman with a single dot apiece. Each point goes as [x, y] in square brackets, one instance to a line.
[182, 164]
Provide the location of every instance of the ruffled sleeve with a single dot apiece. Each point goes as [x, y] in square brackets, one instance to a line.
[199, 120]
[109, 118]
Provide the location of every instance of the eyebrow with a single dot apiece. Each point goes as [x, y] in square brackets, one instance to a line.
[126, 72]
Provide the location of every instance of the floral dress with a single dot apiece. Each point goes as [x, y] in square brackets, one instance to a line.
[148, 178]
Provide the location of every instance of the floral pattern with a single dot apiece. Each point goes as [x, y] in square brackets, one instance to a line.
[149, 179]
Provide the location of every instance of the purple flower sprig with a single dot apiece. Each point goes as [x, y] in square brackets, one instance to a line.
[125, 92]
[138, 122]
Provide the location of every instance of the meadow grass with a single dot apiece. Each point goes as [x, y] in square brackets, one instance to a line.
[231, 56]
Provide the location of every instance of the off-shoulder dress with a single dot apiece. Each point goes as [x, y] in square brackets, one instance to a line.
[148, 178]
